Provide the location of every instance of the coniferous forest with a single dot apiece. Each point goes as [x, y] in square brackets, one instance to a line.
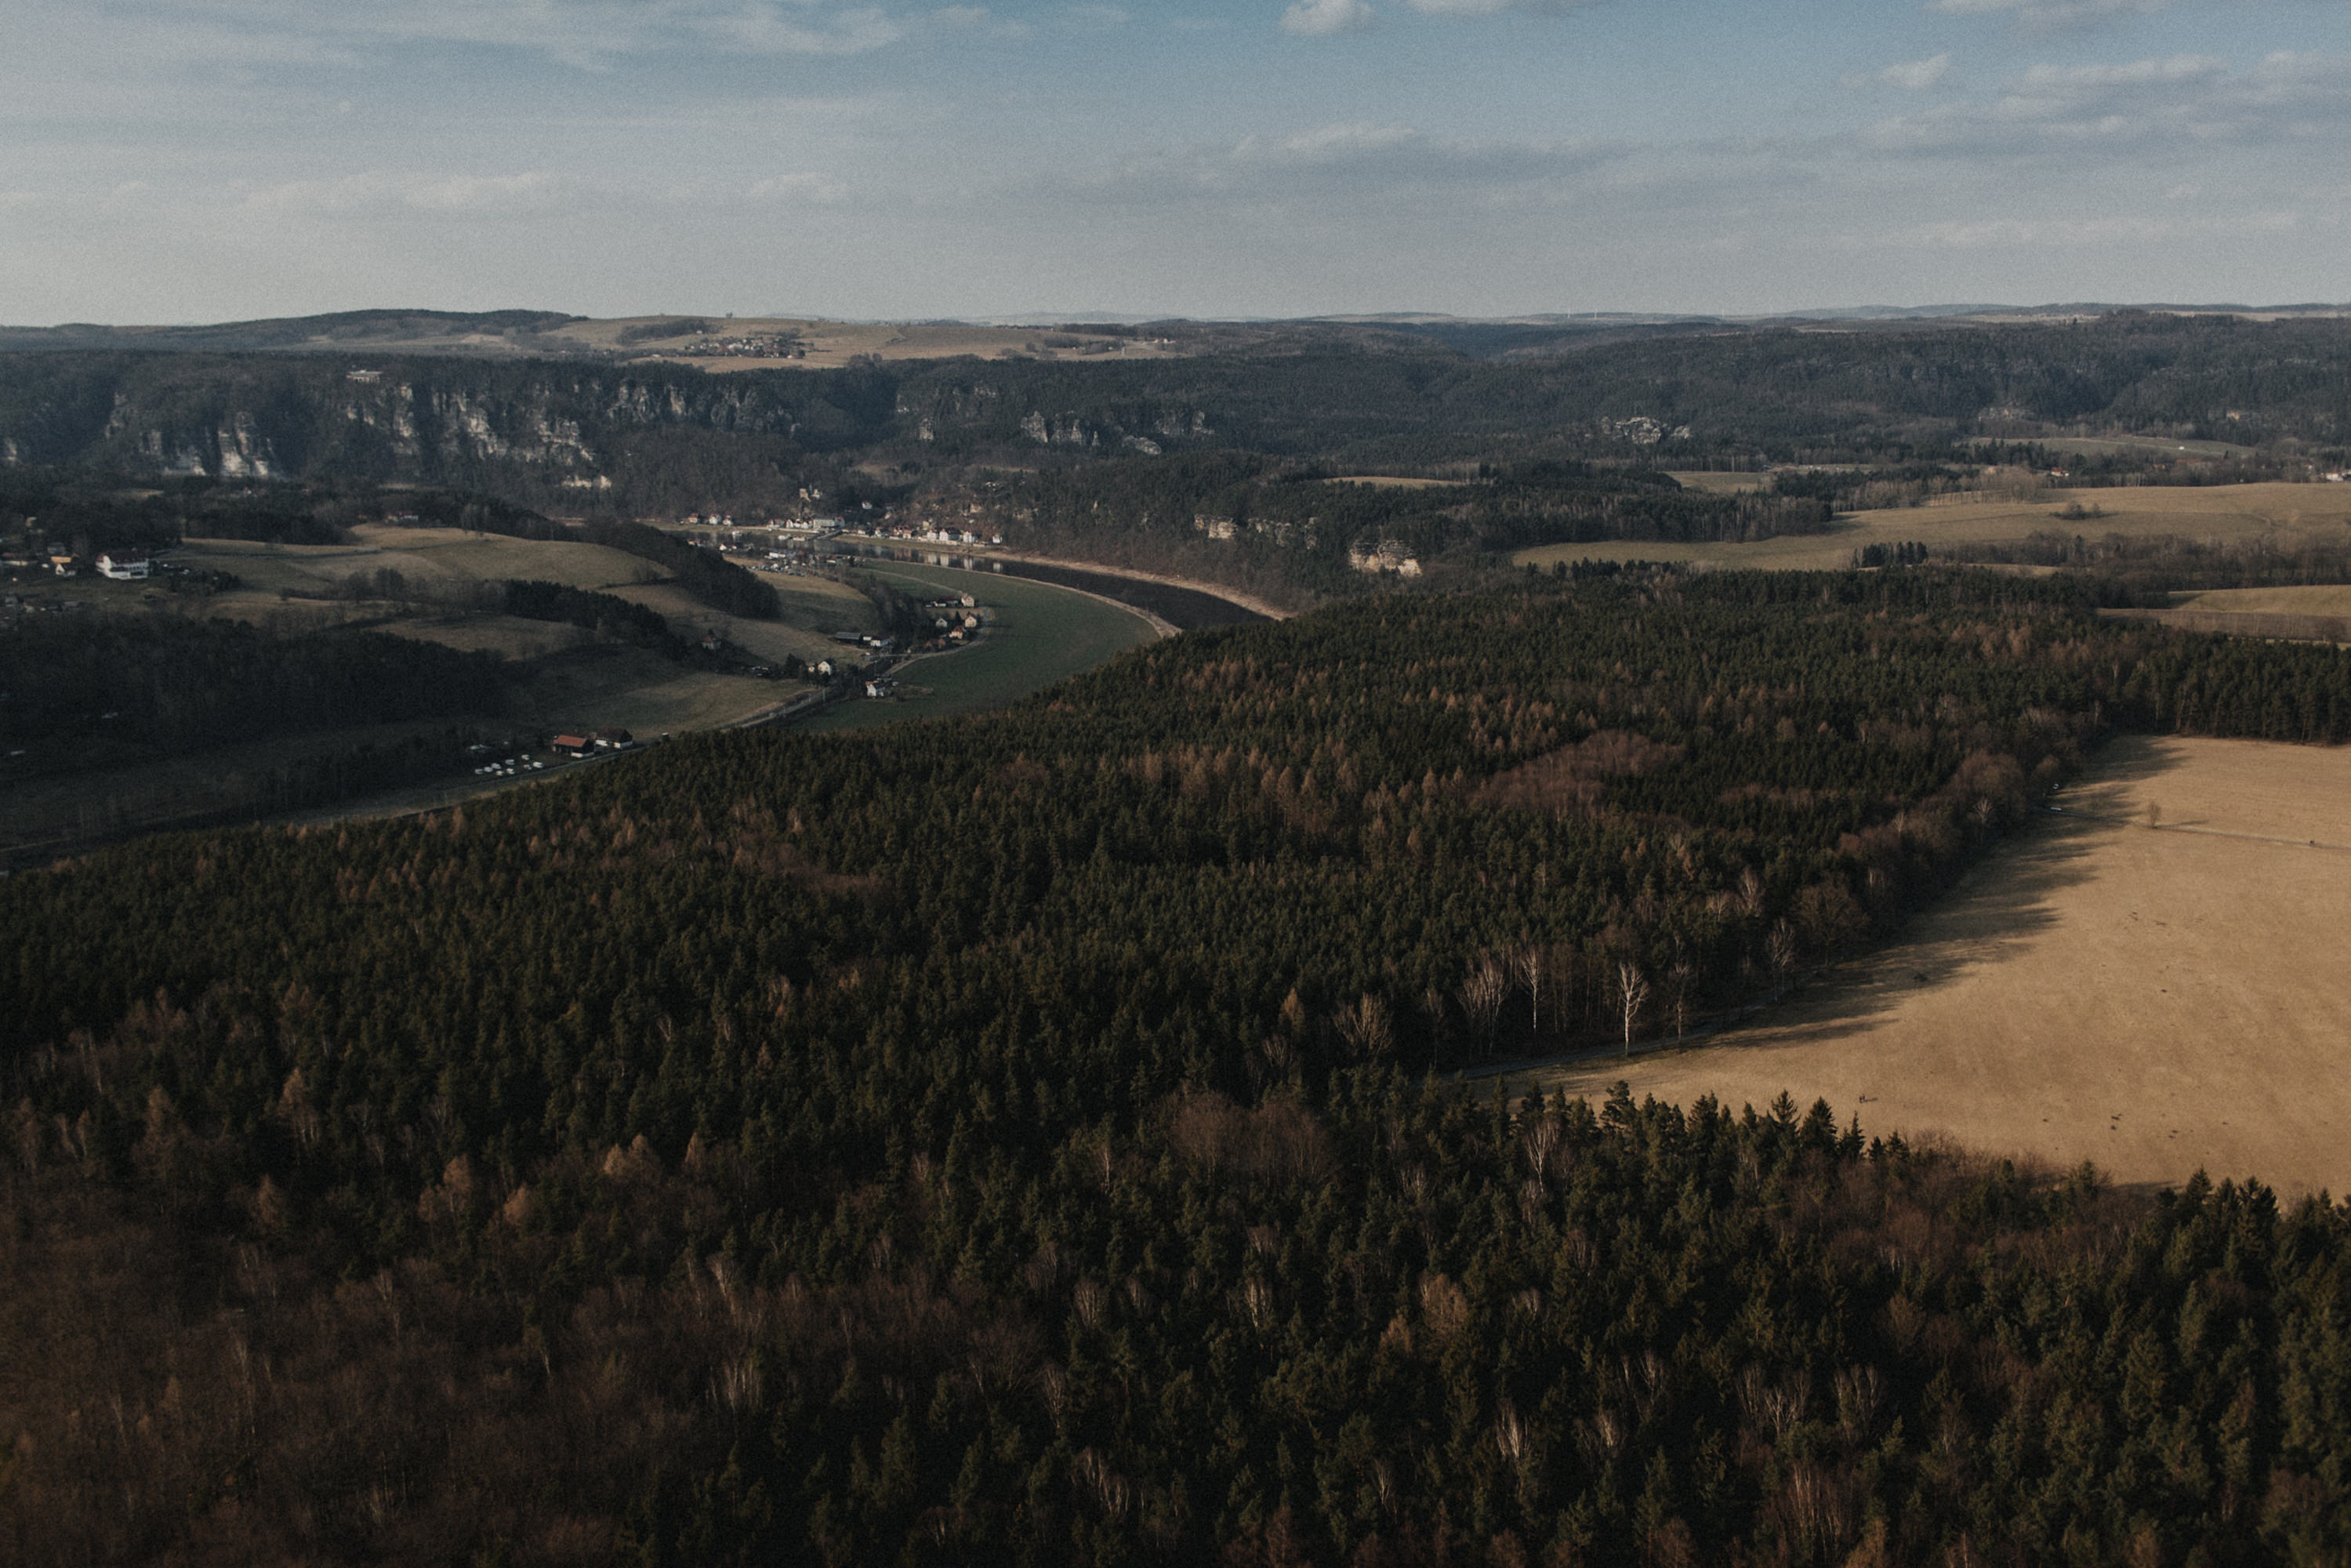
[1028, 1138]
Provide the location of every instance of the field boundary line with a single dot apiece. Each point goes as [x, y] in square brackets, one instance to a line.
[2191, 828]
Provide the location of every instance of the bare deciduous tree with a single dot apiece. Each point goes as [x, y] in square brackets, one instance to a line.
[1750, 894]
[1632, 991]
[1366, 1027]
[1481, 997]
[1526, 963]
[1781, 949]
[1681, 980]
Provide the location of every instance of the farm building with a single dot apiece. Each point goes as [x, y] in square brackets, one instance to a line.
[124, 568]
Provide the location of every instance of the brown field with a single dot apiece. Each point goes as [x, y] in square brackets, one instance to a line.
[832, 344]
[2156, 1001]
[1719, 484]
[2207, 512]
[2298, 599]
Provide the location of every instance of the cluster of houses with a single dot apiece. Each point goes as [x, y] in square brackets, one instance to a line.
[605, 738]
[749, 346]
[122, 566]
[955, 620]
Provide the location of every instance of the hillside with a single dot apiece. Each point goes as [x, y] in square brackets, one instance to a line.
[1006, 1138]
[1235, 454]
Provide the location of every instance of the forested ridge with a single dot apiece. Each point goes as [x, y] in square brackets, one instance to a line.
[1009, 1138]
[165, 685]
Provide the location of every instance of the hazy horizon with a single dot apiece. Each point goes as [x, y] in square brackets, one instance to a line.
[217, 159]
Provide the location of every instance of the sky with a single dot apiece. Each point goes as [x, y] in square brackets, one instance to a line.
[210, 160]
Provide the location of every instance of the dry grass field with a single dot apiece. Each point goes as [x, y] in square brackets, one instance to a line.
[2298, 599]
[1715, 484]
[2155, 999]
[1396, 482]
[2199, 512]
[832, 344]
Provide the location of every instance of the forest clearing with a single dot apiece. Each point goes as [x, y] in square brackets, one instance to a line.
[2290, 599]
[2286, 512]
[2155, 1000]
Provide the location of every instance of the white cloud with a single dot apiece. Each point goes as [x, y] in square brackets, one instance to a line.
[2185, 99]
[1322, 18]
[588, 34]
[765, 29]
[1495, 7]
[1338, 169]
[1325, 143]
[2076, 231]
[1911, 76]
[2049, 14]
[382, 192]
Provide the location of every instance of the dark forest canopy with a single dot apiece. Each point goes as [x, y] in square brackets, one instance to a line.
[1005, 1139]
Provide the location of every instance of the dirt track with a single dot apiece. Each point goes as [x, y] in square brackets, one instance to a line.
[2151, 1000]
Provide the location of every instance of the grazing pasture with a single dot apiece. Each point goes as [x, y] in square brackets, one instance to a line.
[801, 629]
[275, 581]
[2152, 980]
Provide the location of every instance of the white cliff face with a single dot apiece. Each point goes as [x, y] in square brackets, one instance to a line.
[245, 453]
[266, 425]
[1061, 429]
[178, 460]
[1383, 556]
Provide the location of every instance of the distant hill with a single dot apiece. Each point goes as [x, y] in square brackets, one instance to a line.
[812, 342]
[446, 332]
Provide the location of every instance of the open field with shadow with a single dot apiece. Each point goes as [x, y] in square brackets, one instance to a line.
[2197, 512]
[2291, 598]
[2154, 999]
